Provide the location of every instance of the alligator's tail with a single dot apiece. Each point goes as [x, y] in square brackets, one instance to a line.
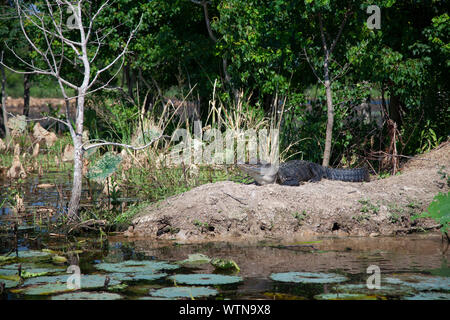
[350, 175]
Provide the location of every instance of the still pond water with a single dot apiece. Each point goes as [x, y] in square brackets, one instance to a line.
[113, 267]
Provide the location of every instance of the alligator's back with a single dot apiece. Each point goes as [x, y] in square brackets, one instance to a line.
[350, 175]
[293, 172]
[296, 171]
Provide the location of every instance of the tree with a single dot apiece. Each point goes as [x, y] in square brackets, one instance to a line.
[227, 76]
[3, 93]
[7, 31]
[316, 12]
[69, 43]
[408, 62]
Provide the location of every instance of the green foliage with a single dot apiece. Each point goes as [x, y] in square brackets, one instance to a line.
[439, 210]
[126, 217]
[300, 216]
[368, 207]
[225, 264]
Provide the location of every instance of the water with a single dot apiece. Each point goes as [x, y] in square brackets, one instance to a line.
[414, 266]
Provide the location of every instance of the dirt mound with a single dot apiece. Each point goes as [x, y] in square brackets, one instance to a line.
[229, 210]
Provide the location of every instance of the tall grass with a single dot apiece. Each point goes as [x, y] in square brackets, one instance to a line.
[149, 175]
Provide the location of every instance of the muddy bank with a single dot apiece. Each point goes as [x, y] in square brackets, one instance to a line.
[229, 210]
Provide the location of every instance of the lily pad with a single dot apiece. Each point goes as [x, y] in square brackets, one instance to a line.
[81, 295]
[420, 282]
[7, 272]
[385, 290]
[29, 270]
[9, 283]
[282, 296]
[184, 292]
[345, 296]
[26, 254]
[86, 281]
[43, 289]
[196, 258]
[205, 279]
[308, 277]
[121, 276]
[430, 296]
[132, 266]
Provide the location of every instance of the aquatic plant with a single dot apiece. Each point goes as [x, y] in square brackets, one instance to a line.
[120, 276]
[308, 277]
[9, 283]
[429, 296]
[346, 296]
[183, 292]
[82, 295]
[196, 258]
[224, 264]
[29, 270]
[420, 282]
[132, 266]
[26, 254]
[205, 279]
[43, 289]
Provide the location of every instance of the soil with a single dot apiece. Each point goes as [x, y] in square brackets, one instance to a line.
[228, 210]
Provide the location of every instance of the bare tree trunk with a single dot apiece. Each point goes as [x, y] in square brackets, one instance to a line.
[26, 94]
[330, 121]
[75, 198]
[55, 31]
[5, 115]
[328, 50]
[327, 84]
[77, 181]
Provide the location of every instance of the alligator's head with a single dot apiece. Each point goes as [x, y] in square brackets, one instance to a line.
[262, 173]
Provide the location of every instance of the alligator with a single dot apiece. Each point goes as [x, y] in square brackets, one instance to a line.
[294, 172]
